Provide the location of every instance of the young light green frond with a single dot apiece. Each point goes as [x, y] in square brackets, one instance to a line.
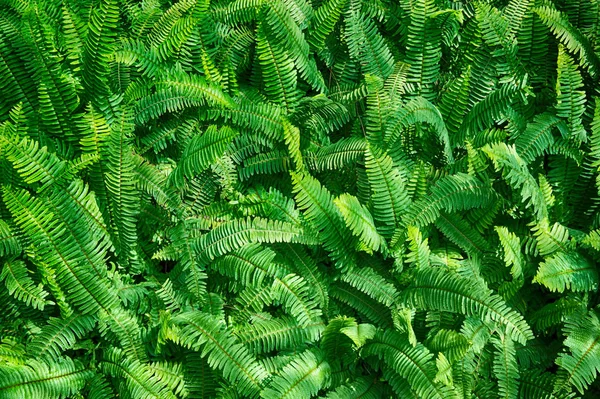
[359, 220]
[551, 239]
[419, 251]
[237, 233]
[343, 152]
[511, 245]
[34, 164]
[178, 91]
[279, 334]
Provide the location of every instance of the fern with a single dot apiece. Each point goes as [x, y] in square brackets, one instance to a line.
[296, 199]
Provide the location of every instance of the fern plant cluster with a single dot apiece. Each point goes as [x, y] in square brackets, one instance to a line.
[296, 199]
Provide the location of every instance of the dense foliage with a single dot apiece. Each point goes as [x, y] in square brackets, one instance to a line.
[294, 198]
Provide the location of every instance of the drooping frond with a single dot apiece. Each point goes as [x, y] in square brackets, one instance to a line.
[21, 286]
[413, 363]
[452, 193]
[201, 331]
[439, 290]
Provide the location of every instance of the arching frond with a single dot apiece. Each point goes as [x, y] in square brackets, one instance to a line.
[438, 290]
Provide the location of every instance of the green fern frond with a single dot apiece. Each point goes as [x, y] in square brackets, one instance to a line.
[413, 363]
[200, 153]
[359, 220]
[318, 206]
[567, 271]
[304, 376]
[570, 37]
[388, 188]
[60, 334]
[452, 193]
[203, 332]
[59, 379]
[579, 367]
[438, 290]
[22, 287]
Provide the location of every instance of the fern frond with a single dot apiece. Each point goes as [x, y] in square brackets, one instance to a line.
[439, 290]
[569, 271]
[200, 153]
[367, 46]
[21, 286]
[413, 363]
[570, 37]
[538, 137]
[303, 377]
[516, 173]
[359, 220]
[317, 204]
[60, 334]
[139, 382]
[278, 334]
[388, 188]
[452, 193]
[203, 332]
[571, 98]
[60, 379]
[293, 294]
[580, 366]
[512, 250]
[505, 367]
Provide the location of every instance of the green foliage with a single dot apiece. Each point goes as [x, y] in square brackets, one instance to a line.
[297, 199]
